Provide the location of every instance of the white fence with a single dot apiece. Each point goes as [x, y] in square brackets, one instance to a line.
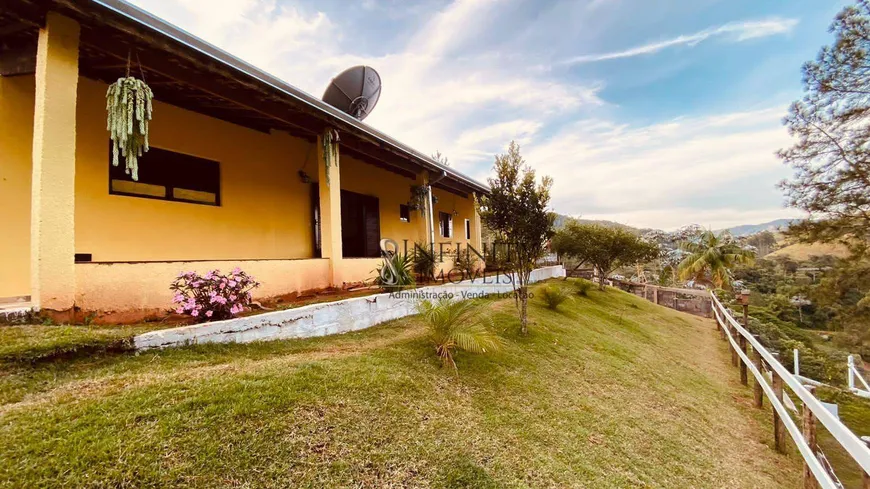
[857, 384]
[812, 410]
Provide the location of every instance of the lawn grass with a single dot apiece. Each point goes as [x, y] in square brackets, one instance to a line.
[606, 391]
[36, 343]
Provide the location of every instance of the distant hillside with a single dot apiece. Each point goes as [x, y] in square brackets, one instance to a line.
[736, 231]
[802, 252]
[561, 220]
[747, 229]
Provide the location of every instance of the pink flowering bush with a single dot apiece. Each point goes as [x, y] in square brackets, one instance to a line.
[213, 296]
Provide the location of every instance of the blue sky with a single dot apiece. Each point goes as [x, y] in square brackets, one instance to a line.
[655, 114]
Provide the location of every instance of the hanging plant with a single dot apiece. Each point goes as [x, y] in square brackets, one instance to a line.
[128, 104]
[330, 150]
[419, 196]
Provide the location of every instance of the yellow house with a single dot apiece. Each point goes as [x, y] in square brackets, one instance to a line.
[235, 176]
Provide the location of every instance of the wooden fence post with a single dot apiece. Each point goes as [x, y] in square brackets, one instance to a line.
[733, 332]
[759, 392]
[656, 295]
[809, 432]
[778, 426]
[741, 340]
[744, 377]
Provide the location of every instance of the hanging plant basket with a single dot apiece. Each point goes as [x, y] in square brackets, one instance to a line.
[128, 105]
[419, 197]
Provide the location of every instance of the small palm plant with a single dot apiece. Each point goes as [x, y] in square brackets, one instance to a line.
[554, 296]
[453, 325]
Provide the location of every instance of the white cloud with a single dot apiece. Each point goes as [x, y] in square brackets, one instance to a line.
[442, 91]
[428, 93]
[735, 31]
[655, 175]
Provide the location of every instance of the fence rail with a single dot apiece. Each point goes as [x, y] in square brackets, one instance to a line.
[816, 468]
[859, 388]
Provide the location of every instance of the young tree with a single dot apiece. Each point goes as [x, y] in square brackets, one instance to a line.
[605, 248]
[830, 123]
[711, 258]
[516, 209]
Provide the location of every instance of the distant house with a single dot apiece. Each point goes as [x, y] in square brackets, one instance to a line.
[235, 177]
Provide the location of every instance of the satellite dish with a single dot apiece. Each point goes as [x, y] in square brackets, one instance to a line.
[354, 91]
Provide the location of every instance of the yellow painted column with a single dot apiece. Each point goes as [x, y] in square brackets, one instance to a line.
[421, 215]
[476, 234]
[329, 183]
[52, 221]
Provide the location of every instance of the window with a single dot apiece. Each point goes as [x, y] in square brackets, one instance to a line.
[360, 225]
[467, 229]
[445, 222]
[315, 220]
[168, 175]
[404, 213]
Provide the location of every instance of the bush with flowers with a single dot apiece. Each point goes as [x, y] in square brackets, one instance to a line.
[213, 296]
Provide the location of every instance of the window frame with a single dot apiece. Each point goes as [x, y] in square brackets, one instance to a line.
[404, 213]
[449, 222]
[169, 188]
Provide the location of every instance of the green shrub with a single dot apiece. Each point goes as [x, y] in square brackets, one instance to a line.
[553, 296]
[423, 262]
[782, 337]
[583, 287]
[467, 262]
[395, 272]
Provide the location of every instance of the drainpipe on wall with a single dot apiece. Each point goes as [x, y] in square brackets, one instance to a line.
[432, 209]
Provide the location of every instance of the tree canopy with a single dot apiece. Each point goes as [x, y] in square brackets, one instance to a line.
[711, 258]
[831, 123]
[604, 248]
[763, 241]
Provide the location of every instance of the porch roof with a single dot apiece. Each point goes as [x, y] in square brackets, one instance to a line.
[188, 72]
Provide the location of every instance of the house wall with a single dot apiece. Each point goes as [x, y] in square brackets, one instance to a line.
[353, 270]
[263, 223]
[98, 283]
[16, 153]
[392, 190]
[265, 210]
[448, 202]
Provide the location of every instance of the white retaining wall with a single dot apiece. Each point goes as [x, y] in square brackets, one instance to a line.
[329, 317]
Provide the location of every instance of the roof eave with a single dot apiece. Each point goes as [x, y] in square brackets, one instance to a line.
[178, 35]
